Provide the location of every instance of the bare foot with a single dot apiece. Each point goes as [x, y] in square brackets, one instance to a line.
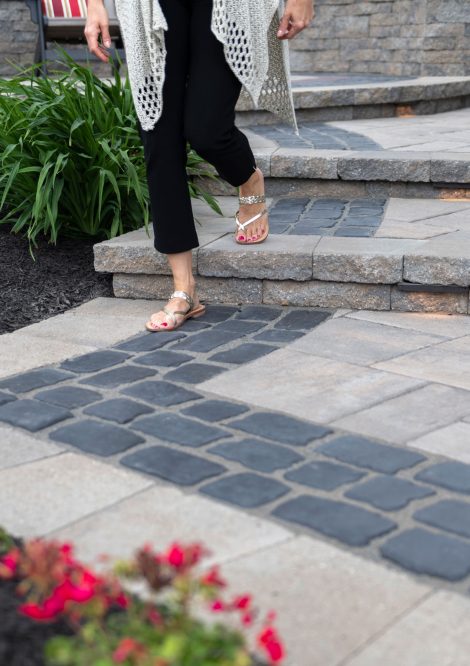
[255, 185]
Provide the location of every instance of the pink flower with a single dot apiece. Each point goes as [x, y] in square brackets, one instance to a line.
[212, 577]
[217, 605]
[128, 647]
[269, 640]
[242, 602]
[9, 563]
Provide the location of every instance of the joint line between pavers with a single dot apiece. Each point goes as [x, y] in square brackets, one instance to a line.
[389, 625]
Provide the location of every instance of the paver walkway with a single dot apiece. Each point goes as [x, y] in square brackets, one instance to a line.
[322, 454]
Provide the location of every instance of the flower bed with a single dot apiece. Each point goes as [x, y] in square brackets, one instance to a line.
[58, 612]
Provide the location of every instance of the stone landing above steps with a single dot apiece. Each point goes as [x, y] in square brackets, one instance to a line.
[415, 258]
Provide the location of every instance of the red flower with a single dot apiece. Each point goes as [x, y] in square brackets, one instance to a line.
[9, 563]
[175, 556]
[212, 577]
[128, 647]
[269, 640]
[217, 605]
[247, 618]
[154, 617]
[242, 602]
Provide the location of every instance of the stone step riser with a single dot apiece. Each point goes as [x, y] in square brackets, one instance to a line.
[315, 187]
[313, 293]
[357, 112]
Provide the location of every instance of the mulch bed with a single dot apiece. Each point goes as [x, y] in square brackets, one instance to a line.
[61, 278]
[22, 640]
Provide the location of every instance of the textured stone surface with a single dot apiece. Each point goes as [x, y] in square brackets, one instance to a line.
[176, 466]
[95, 361]
[193, 373]
[451, 475]
[369, 454]
[280, 428]
[386, 166]
[442, 263]
[68, 396]
[246, 489]
[18, 447]
[175, 428]
[316, 293]
[103, 439]
[120, 410]
[421, 301]
[167, 358]
[448, 515]
[452, 441]
[117, 376]
[213, 289]
[160, 393]
[347, 523]
[388, 493]
[260, 455]
[287, 258]
[429, 553]
[34, 379]
[150, 341]
[31, 414]
[214, 410]
[243, 353]
[324, 475]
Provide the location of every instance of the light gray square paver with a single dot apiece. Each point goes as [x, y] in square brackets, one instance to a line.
[51, 493]
[20, 351]
[311, 387]
[18, 448]
[452, 441]
[361, 342]
[117, 307]
[410, 210]
[162, 514]
[447, 363]
[435, 633]
[310, 583]
[411, 415]
[436, 323]
[91, 330]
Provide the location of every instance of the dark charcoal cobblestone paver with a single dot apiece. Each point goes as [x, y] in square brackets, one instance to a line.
[252, 457]
[347, 523]
[259, 455]
[428, 553]
[166, 358]
[388, 493]
[363, 452]
[117, 376]
[326, 217]
[317, 135]
[280, 428]
[214, 410]
[6, 397]
[245, 352]
[448, 515]
[120, 410]
[94, 361]
[68, 396]
[32, 414]
[178, 429]
[246, 489]
[150, 341]
[102, 439]
[34, 379]
[194, 373]
[178, 467]
[451, 475]
[161, 393]
[324, 475]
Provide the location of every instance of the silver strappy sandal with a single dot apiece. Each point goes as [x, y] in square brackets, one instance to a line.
[254, 198]
[192, 312]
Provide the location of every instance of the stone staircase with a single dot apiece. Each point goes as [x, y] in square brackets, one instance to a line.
[370, 213]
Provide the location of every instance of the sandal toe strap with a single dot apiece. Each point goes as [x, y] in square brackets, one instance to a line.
[252, 219]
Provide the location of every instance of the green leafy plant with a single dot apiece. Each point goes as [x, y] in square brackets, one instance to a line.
[112, 626]
[72, 160]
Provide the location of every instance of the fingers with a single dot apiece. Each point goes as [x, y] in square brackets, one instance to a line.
[292, 22]
[92, 32]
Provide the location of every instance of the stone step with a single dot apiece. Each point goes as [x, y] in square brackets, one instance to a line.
[328, 96]
[309, 265]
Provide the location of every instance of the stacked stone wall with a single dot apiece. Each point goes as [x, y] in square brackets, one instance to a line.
[390, 37]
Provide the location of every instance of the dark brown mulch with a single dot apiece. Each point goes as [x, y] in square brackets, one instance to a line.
[22, 640]
[62, 277]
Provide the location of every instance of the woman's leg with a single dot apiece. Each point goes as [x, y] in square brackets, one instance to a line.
[212, 93]
[165, 155]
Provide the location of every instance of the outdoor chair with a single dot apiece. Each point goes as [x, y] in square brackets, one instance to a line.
[64, 21]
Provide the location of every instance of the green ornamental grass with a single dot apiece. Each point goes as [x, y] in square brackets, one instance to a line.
[72, 161]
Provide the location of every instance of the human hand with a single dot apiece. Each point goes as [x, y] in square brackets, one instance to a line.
[98, 23]
[297, 15]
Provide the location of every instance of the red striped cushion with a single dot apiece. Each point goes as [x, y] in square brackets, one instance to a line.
[64, 8]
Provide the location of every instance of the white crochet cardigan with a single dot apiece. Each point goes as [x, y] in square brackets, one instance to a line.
[246, 28]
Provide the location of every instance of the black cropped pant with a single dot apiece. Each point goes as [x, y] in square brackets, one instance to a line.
[199, 96]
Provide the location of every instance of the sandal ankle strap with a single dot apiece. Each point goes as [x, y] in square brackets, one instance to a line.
[183, 294]
[253, 198]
